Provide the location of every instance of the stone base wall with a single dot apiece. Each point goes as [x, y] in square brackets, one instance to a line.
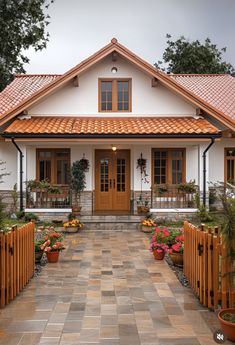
[7, 199]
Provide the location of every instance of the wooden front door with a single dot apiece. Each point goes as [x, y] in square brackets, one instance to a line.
[112, 180]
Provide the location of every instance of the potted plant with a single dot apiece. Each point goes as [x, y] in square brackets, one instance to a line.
[226, 316]
[176, 247]
[52, 245]
[73, 225]
[148, 224]
[78, 184]
[39, 249]
[158, 243]
[188, 187]
[142, 205]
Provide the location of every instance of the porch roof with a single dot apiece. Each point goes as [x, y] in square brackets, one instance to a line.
[80, 126]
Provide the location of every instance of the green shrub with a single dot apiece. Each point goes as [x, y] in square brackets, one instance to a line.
[30, 216]
[20, 214]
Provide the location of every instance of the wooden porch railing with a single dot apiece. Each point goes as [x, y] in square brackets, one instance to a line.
[169, 196]
[42, 198]
[16, 261]
[208, 267]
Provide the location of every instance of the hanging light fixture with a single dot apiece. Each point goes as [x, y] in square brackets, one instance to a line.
[114, 147]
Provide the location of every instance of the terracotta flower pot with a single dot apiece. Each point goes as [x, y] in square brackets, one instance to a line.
[147, 229]
[177, 259]
[71, 229]
[227, 327]
[53, 256]
[158, 255]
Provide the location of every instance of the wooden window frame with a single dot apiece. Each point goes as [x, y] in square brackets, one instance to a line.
[53, 159]
[115, 95]
[169, 165]
[225, 162]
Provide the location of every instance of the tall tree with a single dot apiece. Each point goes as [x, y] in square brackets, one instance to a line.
[183, 56]
[23, 25]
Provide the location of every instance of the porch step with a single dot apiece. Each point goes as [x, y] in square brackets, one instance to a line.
[111, 222]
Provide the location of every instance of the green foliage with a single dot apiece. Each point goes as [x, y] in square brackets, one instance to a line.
[183, 56]
[20, 214]
[38, 245]
[23, 25]
[14, 195]
[204, 215]
[188, 187]
[78, 180]
[30, 216]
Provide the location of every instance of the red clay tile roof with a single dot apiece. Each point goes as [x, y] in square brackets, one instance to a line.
[22, 88]
[131, 125]
[217, 90]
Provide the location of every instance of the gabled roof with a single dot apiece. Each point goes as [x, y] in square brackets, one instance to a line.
[22, 88]
[216, 89]
[81, 126]
[169, 81]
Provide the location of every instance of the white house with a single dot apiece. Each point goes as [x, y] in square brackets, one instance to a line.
[182, 125]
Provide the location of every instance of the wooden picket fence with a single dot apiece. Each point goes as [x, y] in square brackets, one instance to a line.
[16, 261]
[208, 267]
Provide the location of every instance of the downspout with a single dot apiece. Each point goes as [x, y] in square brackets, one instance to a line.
[21, 173]
[204, 170]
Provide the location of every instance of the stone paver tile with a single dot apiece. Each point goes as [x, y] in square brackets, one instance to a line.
[148, 337]
[70, 339]
[49, 341]
[89, 335]
[180, 341]
[176, 332]
[11, 339]
[72, 326]
[126, 319]
[26, 326]
[91, 322]
[58, 317]
[110, 332]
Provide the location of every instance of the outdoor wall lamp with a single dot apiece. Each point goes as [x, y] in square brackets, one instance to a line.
[114, 70]
[114, 148]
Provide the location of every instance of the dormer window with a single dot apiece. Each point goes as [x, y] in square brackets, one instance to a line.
[114, 95]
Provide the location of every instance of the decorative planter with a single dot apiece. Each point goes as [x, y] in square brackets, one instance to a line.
[142, 209]
[38, 256]
[71, 229]
[177, 259]
[53, 256]
[147, 229]
[158, 256]
[76, 211]
[227, 327]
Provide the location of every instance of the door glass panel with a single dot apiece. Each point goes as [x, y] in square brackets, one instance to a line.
[123, 95]
[160, 161]
[62, 172]
[104, 175]
[121, 175]
[45, 170]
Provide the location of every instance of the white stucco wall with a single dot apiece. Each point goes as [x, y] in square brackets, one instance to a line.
[8, 154]
[216, 159]
[194, 162]
[83, 100]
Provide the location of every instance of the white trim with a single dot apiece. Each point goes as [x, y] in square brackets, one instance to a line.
[174, 210]
[48, 210]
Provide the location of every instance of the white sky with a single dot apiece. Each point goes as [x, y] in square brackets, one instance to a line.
[79, 28]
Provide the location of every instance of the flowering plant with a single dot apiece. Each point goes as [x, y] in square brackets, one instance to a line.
[176, 241]
[148, 222]
[53, 242]
[159, 239]
[73, 223]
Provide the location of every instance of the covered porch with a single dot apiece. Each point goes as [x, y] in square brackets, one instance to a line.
[151, 162]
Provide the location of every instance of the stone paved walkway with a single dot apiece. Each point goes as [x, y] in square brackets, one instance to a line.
[107, 289]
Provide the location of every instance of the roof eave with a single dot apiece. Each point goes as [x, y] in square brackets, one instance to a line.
[111, 136]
